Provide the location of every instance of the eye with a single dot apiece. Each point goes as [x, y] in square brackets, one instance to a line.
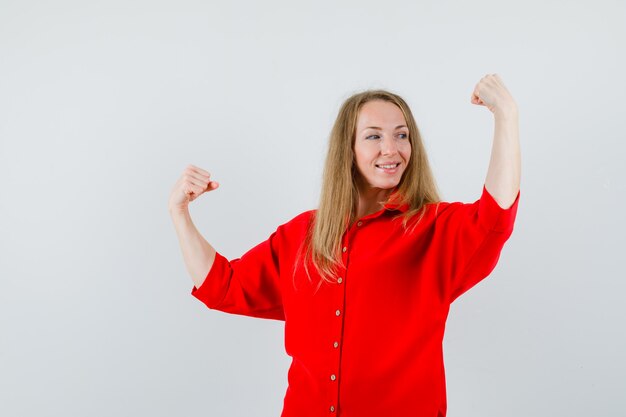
[372, 136]
[403, 135]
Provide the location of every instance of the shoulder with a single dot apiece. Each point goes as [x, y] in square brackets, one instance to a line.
[299, 224]
[448, 207]
[434, 214]
[436, 209]
[300, 219]
[304, 217]
[484, 210]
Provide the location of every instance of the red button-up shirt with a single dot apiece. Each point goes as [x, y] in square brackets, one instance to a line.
[371, 343]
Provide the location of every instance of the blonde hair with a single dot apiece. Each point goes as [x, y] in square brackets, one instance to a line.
[339, 194]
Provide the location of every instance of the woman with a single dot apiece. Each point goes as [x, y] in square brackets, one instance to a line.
[364, 283]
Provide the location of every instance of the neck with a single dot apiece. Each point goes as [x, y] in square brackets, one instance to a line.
[369, 200]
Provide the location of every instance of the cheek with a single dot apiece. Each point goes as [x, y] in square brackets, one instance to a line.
[364, 155]
[359, 160]
[405, 151]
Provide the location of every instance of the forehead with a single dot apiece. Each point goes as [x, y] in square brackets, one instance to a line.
[380, 113]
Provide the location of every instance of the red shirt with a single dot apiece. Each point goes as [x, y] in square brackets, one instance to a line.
[370, 344]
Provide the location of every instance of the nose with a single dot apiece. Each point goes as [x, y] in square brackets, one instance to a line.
[388, 146]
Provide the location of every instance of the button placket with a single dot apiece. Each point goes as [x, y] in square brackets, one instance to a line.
[334, 388]
[336, 352]
[339, 313]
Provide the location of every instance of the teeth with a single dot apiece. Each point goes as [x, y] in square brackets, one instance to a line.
[387, 166]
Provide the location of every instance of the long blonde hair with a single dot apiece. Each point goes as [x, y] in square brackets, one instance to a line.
[339, 194]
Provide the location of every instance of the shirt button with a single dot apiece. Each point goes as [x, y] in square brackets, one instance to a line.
[337, 313]
[332, 409]
[359, 224]
[333, 377]
[345, 248]
[336, 345]
[339, 280]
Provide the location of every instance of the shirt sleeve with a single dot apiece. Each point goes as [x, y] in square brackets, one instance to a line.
[248, 285]
[471, 237]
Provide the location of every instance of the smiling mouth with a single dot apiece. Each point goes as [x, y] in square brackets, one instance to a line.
[388, 166]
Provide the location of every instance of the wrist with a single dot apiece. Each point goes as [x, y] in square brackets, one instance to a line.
[509, 112]
[176, 211]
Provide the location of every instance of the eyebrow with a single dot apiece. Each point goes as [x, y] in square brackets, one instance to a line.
[380, 128]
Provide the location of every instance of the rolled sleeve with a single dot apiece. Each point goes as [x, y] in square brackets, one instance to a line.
[470, 239]
[215, 285]
[494, 217]
[248, 286]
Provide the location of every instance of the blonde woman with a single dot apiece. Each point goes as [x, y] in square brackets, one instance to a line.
[364, 282]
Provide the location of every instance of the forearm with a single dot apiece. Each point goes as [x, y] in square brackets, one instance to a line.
[503, 175]
[197, 252]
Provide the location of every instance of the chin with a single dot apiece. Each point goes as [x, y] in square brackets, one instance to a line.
[387, 185]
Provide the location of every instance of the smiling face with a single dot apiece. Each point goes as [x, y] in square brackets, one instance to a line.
[381, 146]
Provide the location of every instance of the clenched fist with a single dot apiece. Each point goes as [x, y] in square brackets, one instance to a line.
[491, 93]
[192, 183]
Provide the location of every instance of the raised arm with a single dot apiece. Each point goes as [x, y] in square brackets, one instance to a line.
[503, 175]
[198, 254]
[249, 285]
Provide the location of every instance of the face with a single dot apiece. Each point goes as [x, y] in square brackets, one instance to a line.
[382, 148]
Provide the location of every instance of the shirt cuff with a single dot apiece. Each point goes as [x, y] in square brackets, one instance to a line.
[214, 287]
[494, 217]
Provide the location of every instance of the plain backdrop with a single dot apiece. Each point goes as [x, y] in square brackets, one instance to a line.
[104, 103]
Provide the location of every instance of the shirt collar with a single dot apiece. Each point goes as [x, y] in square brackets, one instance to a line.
[403, 207]
[392, 205]
[394, 202]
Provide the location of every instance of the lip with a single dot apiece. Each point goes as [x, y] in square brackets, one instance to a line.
[389, 170]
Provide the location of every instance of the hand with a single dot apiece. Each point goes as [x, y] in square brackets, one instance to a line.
[192, 183]
[491, 92]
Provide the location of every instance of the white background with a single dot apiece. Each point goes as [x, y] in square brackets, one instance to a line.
[104, 103]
